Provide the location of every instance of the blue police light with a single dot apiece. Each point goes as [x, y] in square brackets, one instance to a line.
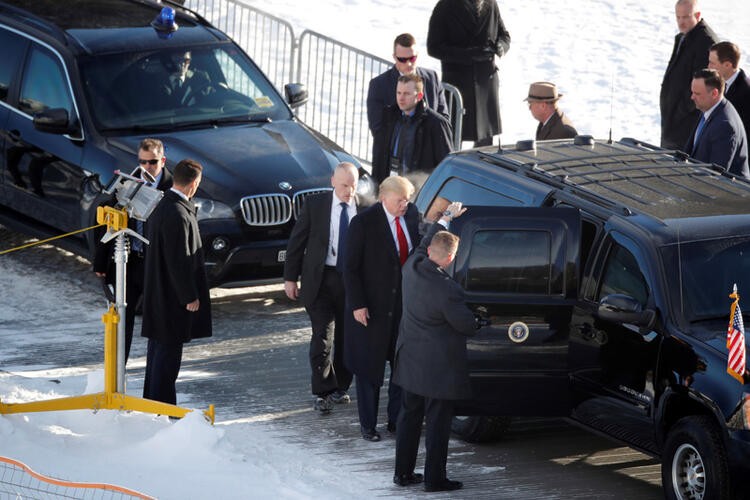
[164, 23]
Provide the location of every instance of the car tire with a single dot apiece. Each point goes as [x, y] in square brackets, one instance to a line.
[480, 429]
[694, 461]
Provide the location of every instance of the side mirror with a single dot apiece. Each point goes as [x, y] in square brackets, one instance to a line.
[54, 121]
[296, 94]
[620, 308]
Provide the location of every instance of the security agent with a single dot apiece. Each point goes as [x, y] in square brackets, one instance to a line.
[151, 160]
[430, 361]
[316, 253]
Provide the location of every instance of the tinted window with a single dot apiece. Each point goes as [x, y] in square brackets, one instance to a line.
[13, 47]
[468, 193]
[44, 84]
[623, 276]
[159, 90]
[707, 271]
[512, 261]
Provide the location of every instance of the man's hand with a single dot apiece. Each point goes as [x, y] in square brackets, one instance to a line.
[193, 306]
[361, 315]
[456, 209]
[291, 290]
[100, 275]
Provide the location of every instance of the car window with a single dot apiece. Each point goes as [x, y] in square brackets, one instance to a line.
[13, 47]
[165, 89]
[44, 84]
[469, 194]
[622, 275]
[510, 261]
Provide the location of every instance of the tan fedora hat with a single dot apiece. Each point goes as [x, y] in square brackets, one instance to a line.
[543, 91]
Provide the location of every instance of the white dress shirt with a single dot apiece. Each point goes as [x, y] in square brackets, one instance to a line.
[392, 225]
[333, 241]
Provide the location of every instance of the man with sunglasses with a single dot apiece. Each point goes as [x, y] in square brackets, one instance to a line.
[186, 85]
[382, 90]
[152, 160]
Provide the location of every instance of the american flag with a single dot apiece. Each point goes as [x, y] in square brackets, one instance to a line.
[736, 340]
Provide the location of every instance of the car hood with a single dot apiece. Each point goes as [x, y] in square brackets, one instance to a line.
[250, 159]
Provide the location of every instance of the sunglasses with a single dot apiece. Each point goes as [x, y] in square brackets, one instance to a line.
[150, 162]
[406, 59]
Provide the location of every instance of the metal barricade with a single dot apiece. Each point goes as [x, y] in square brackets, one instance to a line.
[268, 39]
[456, 110]
[338, 76]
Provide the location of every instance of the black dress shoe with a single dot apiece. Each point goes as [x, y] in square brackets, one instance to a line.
[446, 485]
[370, 435]
[392, 427]
[407, 479]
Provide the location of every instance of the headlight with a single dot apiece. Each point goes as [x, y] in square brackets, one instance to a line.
[212, 209]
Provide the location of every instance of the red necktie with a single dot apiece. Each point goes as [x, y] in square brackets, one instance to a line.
[403, 246]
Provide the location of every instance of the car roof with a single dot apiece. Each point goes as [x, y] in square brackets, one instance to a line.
[98, 26]
[629, 177]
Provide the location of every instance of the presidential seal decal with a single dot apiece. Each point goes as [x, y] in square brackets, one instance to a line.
[518, 332]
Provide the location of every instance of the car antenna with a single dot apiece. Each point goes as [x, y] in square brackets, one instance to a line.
[611, 105]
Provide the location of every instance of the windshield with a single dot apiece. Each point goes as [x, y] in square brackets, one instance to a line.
[167, 89]
[709, 269]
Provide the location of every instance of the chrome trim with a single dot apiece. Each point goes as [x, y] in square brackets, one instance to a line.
[301, 196]
[272, 209]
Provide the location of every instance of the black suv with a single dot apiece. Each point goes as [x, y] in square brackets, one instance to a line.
[606, 270]
[83, 81]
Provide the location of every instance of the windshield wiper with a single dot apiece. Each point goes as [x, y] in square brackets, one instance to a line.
[242, 119]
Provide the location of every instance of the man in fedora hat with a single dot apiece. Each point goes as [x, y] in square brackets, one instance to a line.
[553, 124]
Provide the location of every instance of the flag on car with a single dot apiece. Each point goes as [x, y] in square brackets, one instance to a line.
[736, 340]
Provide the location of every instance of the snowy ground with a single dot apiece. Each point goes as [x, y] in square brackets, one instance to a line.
[607, 57]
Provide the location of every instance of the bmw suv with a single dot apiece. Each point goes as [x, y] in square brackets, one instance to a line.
[82, 82]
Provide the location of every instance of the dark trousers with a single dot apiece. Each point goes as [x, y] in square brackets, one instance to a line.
[162, 367]
[327, 342]
[368, 399]
[133, 293]
[439, 414]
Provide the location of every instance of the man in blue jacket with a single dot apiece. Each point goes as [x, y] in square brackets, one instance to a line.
[719, 136]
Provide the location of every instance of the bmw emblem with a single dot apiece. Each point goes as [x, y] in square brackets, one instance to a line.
[284, 185]
[518, 332]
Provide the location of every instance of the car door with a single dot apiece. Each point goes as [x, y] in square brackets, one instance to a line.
[519, 267]
[43, 168]
[613, 362]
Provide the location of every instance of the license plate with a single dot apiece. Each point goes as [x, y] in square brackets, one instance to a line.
[282, 256]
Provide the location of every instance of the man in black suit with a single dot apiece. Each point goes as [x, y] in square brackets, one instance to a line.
[431, 364]
[151, 159]
[719, 136]
[176, 302]
[689, 54]
[382, 90]
[724, 57]
[413, 138]
[379, 242]
[315, 252]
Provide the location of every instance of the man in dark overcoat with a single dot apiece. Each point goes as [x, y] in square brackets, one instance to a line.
[315, 253]
[467, 35]
[382, 90]
[176, 301]
[379, 240]
[413, 138]
[431, 364]
[553, 124]
[689, 54]
[724, 57]
[151, 159]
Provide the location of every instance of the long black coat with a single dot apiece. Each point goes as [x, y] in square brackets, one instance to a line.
[308, 245]
[372, 279]
[432, 141]
[466, 46]
[739, 95]
[175, 275]
[678, 113]
[431, 348]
